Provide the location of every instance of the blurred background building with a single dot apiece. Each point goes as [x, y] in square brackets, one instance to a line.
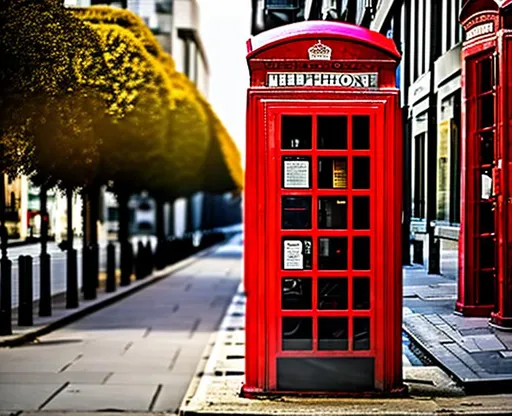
[176, 25]
[429, 36]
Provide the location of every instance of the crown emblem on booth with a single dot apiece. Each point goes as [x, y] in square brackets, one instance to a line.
[319, 51]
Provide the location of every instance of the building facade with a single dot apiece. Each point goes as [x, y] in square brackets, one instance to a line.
[429, 37]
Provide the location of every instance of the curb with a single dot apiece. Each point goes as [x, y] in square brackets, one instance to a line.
[97, 304]
[471, 387]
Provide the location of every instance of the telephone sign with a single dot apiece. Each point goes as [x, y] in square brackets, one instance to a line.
[322, 212]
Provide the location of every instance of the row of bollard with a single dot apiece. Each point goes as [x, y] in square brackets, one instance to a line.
[142, 264]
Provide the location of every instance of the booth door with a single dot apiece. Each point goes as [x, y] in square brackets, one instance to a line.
[322, 277]
[482, 160]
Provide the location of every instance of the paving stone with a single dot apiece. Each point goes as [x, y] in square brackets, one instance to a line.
[79, 397]
[469, 344]
[424, 330]
[488, 343]
[53, 378]
[506, 354]
[25, 396]
[170, 398]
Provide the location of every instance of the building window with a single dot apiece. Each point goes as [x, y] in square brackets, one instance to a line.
[419, 176]
[455, 165]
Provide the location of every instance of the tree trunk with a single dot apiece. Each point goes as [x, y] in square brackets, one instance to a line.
[171, 219]
[3, 229]
[69, 237]
[126, 248]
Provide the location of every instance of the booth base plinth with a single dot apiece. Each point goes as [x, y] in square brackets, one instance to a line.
[253, 393]
[473, 311]
[501, 322]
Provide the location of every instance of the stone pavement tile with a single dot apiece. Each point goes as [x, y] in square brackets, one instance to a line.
[170, 397]
[150, 378]
[469, 344]
[53, 378]
[25, 396]
[122, 364]
[427, 333]
[452, 362]
[462, 322]
[465, 361]
[488, 343]
[505, 338]
[90, 397]
[506, 354]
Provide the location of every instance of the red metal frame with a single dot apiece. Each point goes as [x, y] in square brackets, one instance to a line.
[263, 233]
[493, 45]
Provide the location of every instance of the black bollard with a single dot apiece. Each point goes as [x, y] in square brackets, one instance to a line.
[434, 257]
[45, 285]
[25, 291]
[71, 280]
[5, 296]
[126, 263]
[140, 262]
[111, 268]
[159, 255]
[88, 280]
[417, 256]
[95, 266]
[150, 259]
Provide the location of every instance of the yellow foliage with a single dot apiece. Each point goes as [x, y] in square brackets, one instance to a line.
[130, 21]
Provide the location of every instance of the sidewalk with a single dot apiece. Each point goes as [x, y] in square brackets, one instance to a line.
[477, 355]
[136, 355]
[467, 348]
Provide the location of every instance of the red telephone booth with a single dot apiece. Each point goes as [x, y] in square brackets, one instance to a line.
[323, 212]
[485, 259]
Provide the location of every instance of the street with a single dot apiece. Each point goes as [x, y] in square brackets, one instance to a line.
[139, 354]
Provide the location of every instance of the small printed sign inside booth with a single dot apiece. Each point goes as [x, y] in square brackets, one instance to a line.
[323, 79]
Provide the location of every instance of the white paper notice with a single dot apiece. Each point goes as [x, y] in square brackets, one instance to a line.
[293, 258]
[296, 174]
[486, 190]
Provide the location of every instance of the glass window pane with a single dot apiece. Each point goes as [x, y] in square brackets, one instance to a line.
[332, 253]
[333, 333]
[487, 148]
[297, 333]
[296, 172]
[296, 212]
[296, 293]
[332, 213]
[332, 132]
[486, 286]
[361, 213]
[486, 111]
[296, 132]
[361, 293]
[487, 253]
[333, 293]
[361, 176]
[486, 216]
[361, 253]
[332, 173]
[361, 334]
[485, 75]
[297, 253]
[361, 132]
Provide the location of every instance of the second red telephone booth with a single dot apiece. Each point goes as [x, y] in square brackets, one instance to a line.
[323, 212]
